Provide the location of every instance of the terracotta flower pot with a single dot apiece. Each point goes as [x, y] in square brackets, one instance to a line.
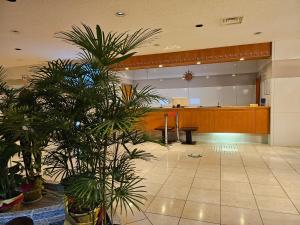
[12, 203]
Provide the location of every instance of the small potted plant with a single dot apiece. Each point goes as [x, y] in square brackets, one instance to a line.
[21, 123]
[33, 134]
[10, 198]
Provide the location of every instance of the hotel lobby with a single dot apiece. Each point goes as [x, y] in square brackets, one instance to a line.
[148, 112]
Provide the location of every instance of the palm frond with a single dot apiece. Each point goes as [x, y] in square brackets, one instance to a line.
[106, 49]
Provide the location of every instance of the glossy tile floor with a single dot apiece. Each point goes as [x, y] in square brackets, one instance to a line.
[232, 184]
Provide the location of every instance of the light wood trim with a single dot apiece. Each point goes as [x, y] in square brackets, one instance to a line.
[251, 120]
[126, 91]
[205, 56]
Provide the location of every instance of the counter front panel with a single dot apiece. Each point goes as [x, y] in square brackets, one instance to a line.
[254, 120]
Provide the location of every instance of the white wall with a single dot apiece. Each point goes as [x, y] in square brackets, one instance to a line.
[285, 111]
[210, 96]
[285, 93]
[207, 91]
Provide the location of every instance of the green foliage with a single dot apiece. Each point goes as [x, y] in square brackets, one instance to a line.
[22, 123]
[94, 126]
[8, 148]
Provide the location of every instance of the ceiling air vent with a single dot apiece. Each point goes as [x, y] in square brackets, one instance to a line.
[232, 20]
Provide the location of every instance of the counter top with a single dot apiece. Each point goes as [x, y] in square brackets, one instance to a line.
[209, 107]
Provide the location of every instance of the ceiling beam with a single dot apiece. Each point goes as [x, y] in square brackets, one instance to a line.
[203, 56]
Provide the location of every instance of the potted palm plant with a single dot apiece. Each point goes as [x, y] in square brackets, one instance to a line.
[10, 198]
[94, 126]
[21, 121]
[34, 134]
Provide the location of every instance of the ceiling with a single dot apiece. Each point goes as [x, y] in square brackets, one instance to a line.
[241, 67]
[38, 20]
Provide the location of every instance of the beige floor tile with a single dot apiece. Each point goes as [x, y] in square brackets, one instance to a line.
[129, 217]
[152, 188]
[238, 200]
[239, 216]
[282, 205]
[210, 184]
[187, 165]
[263, 179]
[297, 204]
[174, 191]
[202, 211]
[208, 174]
[156, 178]
[146, 202]
[209, 168]
[293, 191]
[204, 196]
[193, 222]
[179, 181]
[166, 206]
[236, 187]
[267, 190]
[184, 172]
[234, 177]
[140, 222]
[273, 218]
[161, 170]
[157, 219]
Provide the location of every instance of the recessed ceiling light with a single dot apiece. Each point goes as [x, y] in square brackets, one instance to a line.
[126, 68]
[120, 13]
[160, 66]
[199, 25]
[242, 59]
[257, 33]
[198, 63]
[18, 49]
[233, 75]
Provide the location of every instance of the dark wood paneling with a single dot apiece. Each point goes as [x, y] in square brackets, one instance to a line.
[206, 56]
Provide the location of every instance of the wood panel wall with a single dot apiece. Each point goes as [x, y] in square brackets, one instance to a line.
[205, 56]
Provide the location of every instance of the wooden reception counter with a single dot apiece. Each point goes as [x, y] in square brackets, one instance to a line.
[251, 120]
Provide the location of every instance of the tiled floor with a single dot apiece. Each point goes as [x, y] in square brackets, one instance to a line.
[231, 184]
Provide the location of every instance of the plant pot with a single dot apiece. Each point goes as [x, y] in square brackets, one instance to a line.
[88, 218]
[32, 196]
[12, 203]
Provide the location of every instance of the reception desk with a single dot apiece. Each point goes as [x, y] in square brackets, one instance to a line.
[251, 120]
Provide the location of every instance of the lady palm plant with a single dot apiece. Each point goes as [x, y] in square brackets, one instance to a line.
[94, 126]
[21, 123]
[8, 148]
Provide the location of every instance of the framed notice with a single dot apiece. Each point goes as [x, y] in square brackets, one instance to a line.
[267, 87]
